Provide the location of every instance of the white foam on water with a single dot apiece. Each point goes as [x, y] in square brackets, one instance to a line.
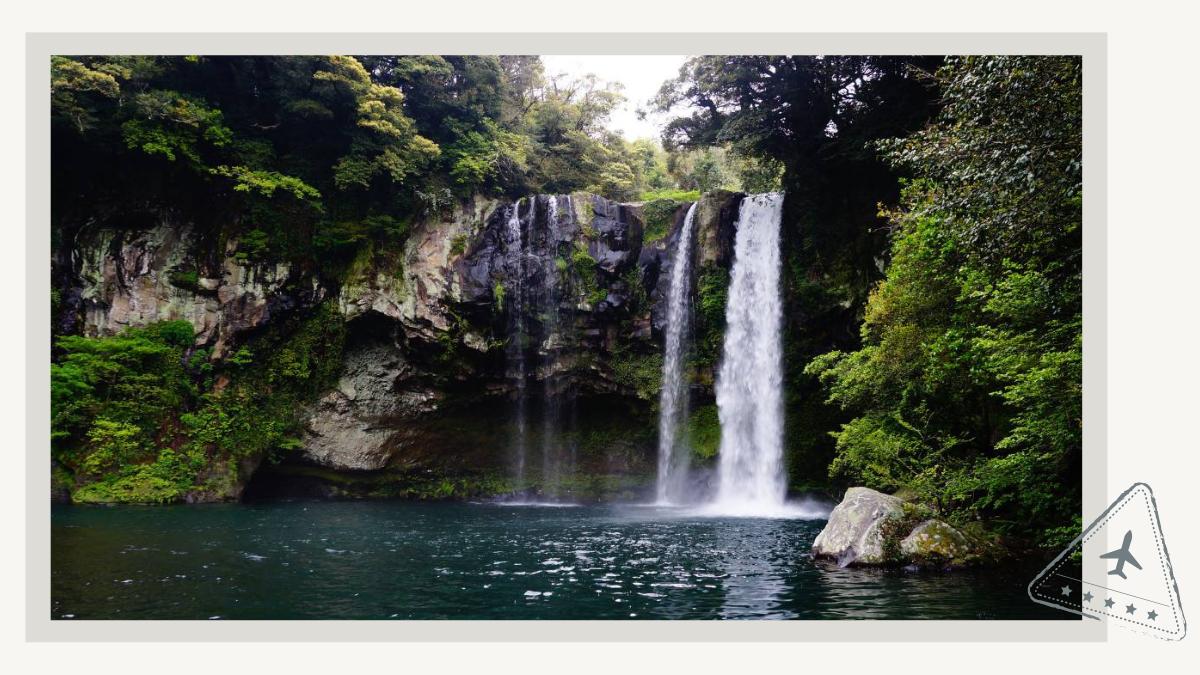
[793, 510]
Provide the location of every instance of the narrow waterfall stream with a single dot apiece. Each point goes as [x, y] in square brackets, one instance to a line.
[751, 478]
[558, 401]
[673, 400]
[547, 306]
[537, 341]
[515, 347]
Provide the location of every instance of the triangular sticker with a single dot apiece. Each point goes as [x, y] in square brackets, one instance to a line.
[1118, 570]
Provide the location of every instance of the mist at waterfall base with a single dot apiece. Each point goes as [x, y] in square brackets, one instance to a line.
[750, 479]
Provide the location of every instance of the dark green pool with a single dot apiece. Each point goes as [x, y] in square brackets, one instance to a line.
[381, 560]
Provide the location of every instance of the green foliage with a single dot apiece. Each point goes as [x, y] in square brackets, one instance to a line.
[385, 140]
[639, 298]
[712, 293]
[252, 246]
[242, 357]
[1013, 201]
[167, 479]
[126, 379]
[358, 234]
[707, 174]
[113, 444]
[498, 295]
[649, 164]
[759, 174]
[78, 87]
[130, 422]
[616, 181]
[704, 432]
[658, 216]
[318, 156]
[319, 130]
[639, 373]
[265, 183]
[480, 158]
[185, 279]
[173, 125]
[968, 386]
[672, 194]
[505, 126]
[585, 269]
[458, 245]
[256, 411]
[782, 107]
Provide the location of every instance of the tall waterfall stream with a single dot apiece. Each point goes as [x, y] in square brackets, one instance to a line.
[749, 387]
[673, 400]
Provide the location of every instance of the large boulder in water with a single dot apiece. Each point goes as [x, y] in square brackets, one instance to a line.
[859, 528]
[872, 528]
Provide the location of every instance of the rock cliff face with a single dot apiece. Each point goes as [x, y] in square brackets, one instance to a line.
[430, 324]
[131, 278]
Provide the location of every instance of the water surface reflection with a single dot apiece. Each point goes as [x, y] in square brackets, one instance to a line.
[337, 560]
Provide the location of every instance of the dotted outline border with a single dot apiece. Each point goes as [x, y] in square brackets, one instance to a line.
[1143, 490]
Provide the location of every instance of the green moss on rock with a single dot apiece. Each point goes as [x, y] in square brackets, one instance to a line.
[658, 216]
[704, 432]
[640, 373]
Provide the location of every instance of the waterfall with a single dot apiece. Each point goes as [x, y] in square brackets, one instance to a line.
[751, 479]
[539, 340]
[515, 347]
[673, 400]
[548, 308]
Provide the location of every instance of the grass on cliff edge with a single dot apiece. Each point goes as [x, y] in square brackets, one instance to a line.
[659, 208]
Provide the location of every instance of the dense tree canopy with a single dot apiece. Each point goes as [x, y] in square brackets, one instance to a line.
[968, 385]
[958, 375]
[317, 154]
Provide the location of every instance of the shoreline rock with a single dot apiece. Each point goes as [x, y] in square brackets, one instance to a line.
[856, 531]
[873, 529]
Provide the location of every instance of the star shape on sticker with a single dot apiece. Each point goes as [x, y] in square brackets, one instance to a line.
[1066, 590]
[1152, 615]
[1108, 602]
[1087, 597]
[1130, 609]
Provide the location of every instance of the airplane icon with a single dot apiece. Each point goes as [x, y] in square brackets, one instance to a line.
[1122, 556]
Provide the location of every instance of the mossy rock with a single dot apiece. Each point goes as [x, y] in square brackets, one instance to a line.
[875, 529]
[935, 543]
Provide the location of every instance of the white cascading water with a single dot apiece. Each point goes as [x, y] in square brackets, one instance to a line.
[547, 300]
[751, 478]
[672, 466]
[515, 297]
